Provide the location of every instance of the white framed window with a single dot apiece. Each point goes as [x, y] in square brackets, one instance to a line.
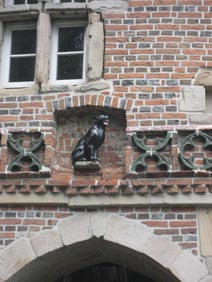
[18, 56]
[9, 3]
[70, 1]
[68, 57]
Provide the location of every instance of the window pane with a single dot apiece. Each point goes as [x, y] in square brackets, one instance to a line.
[70, 66]
[71, 39]
[79, 1]
[32, 1]
[22, 69]
[23, 41]
[17, 2]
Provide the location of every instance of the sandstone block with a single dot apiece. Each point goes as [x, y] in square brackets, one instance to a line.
[99, 224]
[188, 267]
[165, 252]
[96, 50]
[14, 257]
[94, 17]
[101, 5]
[196, 118]
[204, 77]
[43, 48]
[209, 263]
[93, 86]
[136, 237]
[207, 279]
[205, 231]
[46, 241]
[75, 229]
[192, 99]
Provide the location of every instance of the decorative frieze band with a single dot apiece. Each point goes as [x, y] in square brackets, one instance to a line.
[171, 151]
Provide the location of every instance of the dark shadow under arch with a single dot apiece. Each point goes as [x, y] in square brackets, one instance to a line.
[104, 272]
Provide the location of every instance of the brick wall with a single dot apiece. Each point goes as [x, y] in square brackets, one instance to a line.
[151, 51]
[154, 50]
[180, 224]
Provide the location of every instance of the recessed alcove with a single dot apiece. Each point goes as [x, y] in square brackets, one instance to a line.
[73, 123]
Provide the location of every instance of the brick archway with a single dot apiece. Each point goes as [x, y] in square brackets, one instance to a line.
[66, 102]
[86, 239]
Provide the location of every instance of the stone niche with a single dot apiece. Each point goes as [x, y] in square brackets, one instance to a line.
[74, 123]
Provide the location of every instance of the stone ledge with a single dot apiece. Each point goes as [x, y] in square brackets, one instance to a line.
[141, 187]
[63, 10]
[133, 130]
[21, 12]
[169, 174]
[109, 5]
[108, 195]
[25, 174]
[87, 165]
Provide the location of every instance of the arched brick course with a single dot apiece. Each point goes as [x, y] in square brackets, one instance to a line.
[87, 239]
[67, 102]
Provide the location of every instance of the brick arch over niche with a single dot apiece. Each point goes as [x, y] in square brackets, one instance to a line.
[74, 122]
[66, 102]
[83, 240]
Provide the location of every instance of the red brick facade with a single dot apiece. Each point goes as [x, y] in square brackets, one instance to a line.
[180, 224]
[152, 51]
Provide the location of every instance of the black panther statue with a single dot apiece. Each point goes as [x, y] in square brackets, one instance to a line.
[87, 147]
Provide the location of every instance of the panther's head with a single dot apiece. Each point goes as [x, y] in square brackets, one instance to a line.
[102, 119]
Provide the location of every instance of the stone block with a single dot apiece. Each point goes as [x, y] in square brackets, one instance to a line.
[209, 263]
[1, 32]
[98, 224]
[101, 5]
[93, 86]
[136, 237]
[200, 119]
[14, 257]
[94, 18]
[192, 99]
[165, 252]
[188, 267]
[75, 229]
[43, 48]
[46, 241]
[204, 77]
[87, 165]
[205, 231]
[95, 50]
[207, 279]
